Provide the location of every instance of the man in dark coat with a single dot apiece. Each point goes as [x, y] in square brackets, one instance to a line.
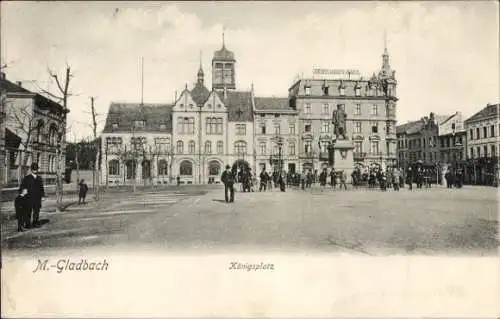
[82, 193]
[20, 205]
[33, 191]
[228, 179]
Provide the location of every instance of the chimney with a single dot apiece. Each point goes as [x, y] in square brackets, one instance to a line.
[19, 83]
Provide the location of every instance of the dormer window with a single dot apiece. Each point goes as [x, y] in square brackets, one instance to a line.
[357, 91]
[191, 105]
[163, 126]
[140, 123]
[209, 106]
[307, 89]
[115, 125]
[325, 89]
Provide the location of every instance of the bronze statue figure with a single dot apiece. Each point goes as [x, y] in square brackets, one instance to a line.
[339, 122]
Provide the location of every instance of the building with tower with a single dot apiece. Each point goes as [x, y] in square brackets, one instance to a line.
[370, 105]
[192, 139]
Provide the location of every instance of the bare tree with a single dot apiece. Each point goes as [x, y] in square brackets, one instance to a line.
[61, 97]
[96, 144]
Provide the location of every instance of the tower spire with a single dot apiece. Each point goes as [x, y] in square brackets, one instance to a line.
[200, 70]
[223, 33]
[385, 42]
[201, 53]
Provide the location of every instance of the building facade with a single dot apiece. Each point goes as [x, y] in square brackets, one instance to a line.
[482, 145]
[370, 105]
[29, 133]
[207, 129]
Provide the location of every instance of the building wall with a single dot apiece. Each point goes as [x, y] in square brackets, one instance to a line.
[286, 133]
[490, 141]
[366, 99]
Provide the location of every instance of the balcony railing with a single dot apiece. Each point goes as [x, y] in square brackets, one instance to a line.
[323, 155]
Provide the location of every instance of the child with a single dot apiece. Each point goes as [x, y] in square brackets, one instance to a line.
[83, 192]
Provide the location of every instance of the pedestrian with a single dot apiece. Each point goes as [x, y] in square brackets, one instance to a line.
[333, 179]
[323, 177]
[228, 179]
[82, 193]
[409, 178]
[343, 179]
[281, 181]
[396, 174]
[263, 181]
[32, 189]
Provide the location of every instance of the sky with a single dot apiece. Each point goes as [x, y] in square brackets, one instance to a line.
[445, 53]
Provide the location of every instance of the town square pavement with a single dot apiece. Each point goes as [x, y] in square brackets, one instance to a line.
[434, 221]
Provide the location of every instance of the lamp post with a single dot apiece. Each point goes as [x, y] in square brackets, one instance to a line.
[279, 141]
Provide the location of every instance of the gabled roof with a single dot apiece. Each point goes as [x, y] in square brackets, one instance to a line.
[124, 114]
[272, 104]
[441, 119]
[239, 106]
[200, 93]
[491, 110]
[11, 87]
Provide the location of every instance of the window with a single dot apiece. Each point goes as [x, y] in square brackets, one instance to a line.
[471, 134]
[241, 129]
[186, 168]
[192, 147]
[209, 105]
[240, 148]
[325, 90]
[139, 124]
[307, 108]
[493, 150]
[262, 148]
[114, 167]
[374, 147]
[180, 147]
[374, 110]
[219, 106]
[357, 110]
[208, 147]
[357, 91]
[214, 125]
[276, 115]
[308, 90]
[342, 90]
[191, 105]
[358, 147]
[291, 148]
[326, 108]
[478, 149]
[478, 136]
[485, 132]
[220, 147]
[307, 128]
[291, 128]
[276, 129]
[485, 150]
[138, 143]
[325, 127]
[185, 125]
[308, 147]
[163, 126]
[472, 152]
[115, 125]
[262, 128]
[214, 168]
[357, 127]
[162, 145]
[375, 127]
[162, 167]
[492, 131]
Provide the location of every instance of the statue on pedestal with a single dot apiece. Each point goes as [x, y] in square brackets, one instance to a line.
[339, 122]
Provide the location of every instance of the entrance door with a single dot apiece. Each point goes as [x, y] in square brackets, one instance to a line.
[291, 168]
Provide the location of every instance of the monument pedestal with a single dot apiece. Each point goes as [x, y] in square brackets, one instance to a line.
[344, 157]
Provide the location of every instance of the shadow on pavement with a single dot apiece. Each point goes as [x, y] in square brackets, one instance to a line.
[219, 200]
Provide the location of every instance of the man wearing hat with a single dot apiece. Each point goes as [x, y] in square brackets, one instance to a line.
[32, 190]
[228, 179]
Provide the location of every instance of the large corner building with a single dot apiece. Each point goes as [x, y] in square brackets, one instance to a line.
[193, 139]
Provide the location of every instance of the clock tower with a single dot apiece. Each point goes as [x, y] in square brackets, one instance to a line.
[223, 63]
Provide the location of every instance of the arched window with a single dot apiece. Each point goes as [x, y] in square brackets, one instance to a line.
[180, 147]
[220, 147]
[39, 131]
[192, 147]
[208, 147]
[114, 167]
[162, 167]
[186, 168]
[214, 168]
[52, 135]
[240, 148]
